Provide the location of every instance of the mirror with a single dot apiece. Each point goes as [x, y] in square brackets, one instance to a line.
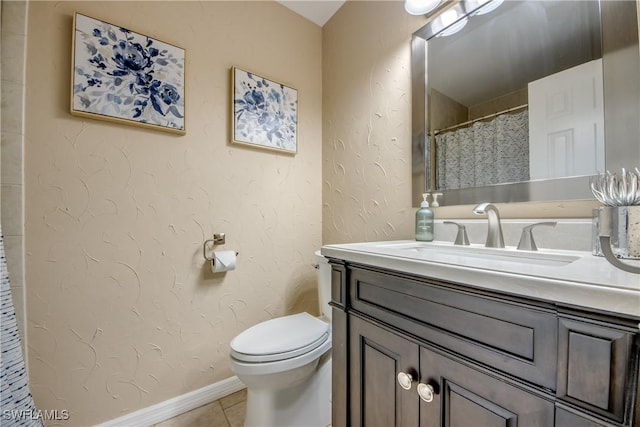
[516, 105]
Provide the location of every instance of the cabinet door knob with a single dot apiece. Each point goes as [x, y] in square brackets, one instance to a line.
[405, 380]
[426, 392]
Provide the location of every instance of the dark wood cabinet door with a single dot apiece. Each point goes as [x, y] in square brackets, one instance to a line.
[467, 397]
[594, 366]
[376, 358]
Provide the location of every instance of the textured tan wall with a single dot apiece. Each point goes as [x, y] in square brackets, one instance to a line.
[122, 311]
[366, 157]
[367, 129]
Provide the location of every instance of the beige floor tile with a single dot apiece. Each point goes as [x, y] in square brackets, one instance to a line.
[233, 399]
[235, 414]
[210, 415]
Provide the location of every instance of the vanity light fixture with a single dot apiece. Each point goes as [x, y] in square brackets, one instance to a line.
[420, 7]
[454, 19]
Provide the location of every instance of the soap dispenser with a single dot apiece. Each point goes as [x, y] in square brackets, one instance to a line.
[435, 203]
[424, 221]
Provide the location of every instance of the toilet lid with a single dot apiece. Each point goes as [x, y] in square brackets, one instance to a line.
[280, 338]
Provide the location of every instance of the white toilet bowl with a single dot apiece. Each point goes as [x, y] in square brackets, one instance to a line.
[286, 365]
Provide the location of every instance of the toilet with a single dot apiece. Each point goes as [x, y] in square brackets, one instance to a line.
[286, 365]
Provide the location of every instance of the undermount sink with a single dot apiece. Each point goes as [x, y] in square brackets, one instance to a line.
[435, 250]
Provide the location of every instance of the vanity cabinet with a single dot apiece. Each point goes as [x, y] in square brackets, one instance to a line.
[470, 357]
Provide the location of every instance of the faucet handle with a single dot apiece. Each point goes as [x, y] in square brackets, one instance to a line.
[461, 237]
[526, 239]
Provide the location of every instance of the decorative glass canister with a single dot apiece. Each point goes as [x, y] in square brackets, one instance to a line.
[623, 224]
[616, 226]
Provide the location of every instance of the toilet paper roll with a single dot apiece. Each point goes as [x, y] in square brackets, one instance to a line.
[223, 261]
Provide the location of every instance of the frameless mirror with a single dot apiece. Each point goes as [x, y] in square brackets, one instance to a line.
[513, 100]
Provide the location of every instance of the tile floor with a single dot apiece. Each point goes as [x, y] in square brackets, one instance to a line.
[226, 412]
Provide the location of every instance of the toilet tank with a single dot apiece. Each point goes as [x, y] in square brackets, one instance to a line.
[324, 285]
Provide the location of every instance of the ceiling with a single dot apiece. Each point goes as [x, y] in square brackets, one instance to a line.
[316, 11]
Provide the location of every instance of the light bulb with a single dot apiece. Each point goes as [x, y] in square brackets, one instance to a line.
[449, 17]
[420, 7]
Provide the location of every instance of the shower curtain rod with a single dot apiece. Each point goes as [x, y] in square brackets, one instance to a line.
[488, 116]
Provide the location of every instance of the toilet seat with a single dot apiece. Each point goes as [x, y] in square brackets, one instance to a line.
[257, 369]
[280, 339]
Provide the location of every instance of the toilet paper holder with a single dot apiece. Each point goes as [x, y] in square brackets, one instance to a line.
[218, 239]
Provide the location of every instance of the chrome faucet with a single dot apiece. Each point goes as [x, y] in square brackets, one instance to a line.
[494, 234]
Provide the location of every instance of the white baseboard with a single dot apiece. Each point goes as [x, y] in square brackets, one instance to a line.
[178, 405]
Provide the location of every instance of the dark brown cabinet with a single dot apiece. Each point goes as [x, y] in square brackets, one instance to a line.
[454, 394]
[472, 358]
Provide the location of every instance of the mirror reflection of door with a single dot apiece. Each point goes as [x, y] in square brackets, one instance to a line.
[566, 121]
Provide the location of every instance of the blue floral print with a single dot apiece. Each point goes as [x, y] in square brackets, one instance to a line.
[126, 75]
[265, 112]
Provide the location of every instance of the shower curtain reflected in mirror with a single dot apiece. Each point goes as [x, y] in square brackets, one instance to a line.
[484, 153]
[16, 402]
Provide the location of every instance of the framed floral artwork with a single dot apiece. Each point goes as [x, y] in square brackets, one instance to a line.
[126, 77]
[264, 112]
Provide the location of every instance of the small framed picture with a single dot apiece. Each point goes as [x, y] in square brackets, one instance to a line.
[264, 112]
[126, 77]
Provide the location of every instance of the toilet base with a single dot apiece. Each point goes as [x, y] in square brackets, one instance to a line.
[307, 404]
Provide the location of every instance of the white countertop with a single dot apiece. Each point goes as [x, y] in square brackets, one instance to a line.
[571, 277]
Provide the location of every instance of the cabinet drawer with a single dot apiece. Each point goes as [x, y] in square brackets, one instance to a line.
[593, 366]
[513, 338]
